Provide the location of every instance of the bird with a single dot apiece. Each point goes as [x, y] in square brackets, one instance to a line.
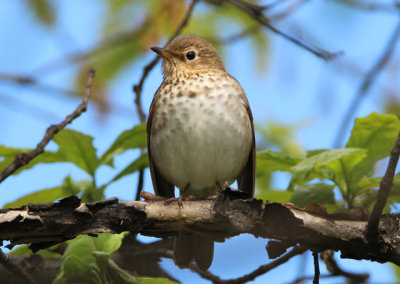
[200, 134]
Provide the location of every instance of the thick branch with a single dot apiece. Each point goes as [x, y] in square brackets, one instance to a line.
[228, 216]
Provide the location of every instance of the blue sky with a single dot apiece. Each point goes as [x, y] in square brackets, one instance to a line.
[296, 88]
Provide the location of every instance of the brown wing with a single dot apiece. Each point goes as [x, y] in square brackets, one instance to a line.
[247, 179]
[161, 186]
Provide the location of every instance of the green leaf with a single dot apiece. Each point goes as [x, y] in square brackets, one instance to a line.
[86, 258]
[75, 270]
[74, 147]
[116, 273]
[92, 194]
[83, 245]
[376, 133]
[40, 196]
[129, 139]
[45, 253]
[77, 148]
[364, 184]
[324, 158]
[318, 192]
[327, 164]
[108, 242]
[7, 155]
[68, 188]
[280, 196]
[139, 164]
[270, 161]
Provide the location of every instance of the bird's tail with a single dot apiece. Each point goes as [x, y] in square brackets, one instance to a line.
[189, 246]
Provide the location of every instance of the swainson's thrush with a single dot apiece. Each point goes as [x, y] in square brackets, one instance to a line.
[200, 134]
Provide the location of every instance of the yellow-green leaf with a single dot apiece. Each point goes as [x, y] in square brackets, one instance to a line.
[129, 139]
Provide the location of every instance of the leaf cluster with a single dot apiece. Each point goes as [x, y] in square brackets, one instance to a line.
[348, 171]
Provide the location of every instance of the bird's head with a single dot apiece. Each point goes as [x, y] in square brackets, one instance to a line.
[188, 54]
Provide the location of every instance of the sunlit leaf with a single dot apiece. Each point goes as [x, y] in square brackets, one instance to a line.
[45, 253]
[275, 161]
[77, 148]
[80, 258]
[375, 133]
[324, 158]
[42, 196]
[327, 164]
[129, 139]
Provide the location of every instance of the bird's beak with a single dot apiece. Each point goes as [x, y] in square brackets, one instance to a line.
[165, 53]
[157, 50]
[162, 52]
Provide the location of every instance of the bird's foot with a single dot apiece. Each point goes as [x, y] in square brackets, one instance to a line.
[180, 199]
[151, 197]
[220, 188]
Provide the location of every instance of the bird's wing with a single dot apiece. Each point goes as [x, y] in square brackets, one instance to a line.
[247, 179]
[161, 186]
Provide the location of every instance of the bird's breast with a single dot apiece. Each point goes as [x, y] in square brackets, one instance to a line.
[201, 133]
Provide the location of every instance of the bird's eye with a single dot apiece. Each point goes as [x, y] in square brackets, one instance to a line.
[191, 55]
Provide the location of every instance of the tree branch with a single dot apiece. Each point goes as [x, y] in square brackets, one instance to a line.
[256, 12]
[383, 193]
[44, 224]
[15, 269]
[366, 84]
[316, 268]
[372, 6]
[23, 158]
[262, 269]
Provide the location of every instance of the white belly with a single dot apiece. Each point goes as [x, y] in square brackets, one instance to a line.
[201, 140]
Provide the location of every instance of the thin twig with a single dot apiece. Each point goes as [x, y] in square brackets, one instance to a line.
[24, 158]
[336, 270]
[262, 19]
[140, 183]
[251, 276]
[366, 84]
[15, 269]
[362, 5]
[384, 190]
[316, 268]
[253, 29]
